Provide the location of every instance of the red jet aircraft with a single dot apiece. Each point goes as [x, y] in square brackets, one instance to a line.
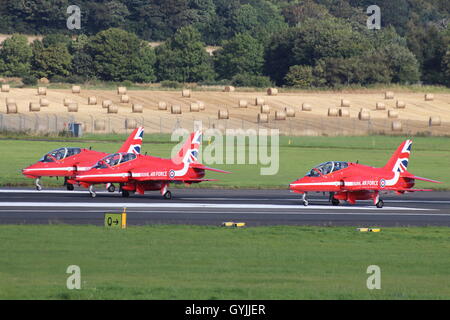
[352, 181]
[68, 162]
[140, 173]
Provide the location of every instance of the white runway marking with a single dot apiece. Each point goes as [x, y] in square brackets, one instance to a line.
[196, 205]
[86, 192]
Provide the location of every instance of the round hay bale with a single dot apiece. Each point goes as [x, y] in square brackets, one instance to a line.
[263, 118]
[92, 101]
[306, 107]
[400, 104]
[67, 101]
[121, 91]
[434, 121]
[259, 101]
[175, 109]
[343, 112]
[72, 107]
[162, 105]
[223, 114]
[429, 97]
[396, 125]
[364, 115]
[290, 112]
[137, 108]
[113, 109]
[99, 125]
[76, 89]
[333, 112]
[186, 93]
[44, 102]
[106, 103]
[201, 105]
[10, 100]
[42, 91]
[5, 88]
[388, 95]
[243, 103]
[11, 108]
[272, 91]
[34, 107]
[130, 124]
[392, 114]
[380, 106]
[345, 103]
[44, 80]
[124, 98]
[194, 107]
[280, 115]
[265, 109]
[229, 89]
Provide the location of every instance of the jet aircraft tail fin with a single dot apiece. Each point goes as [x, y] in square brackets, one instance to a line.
[399, 160]
[134, 142]
[189, 152]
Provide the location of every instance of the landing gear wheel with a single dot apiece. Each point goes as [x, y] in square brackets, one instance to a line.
[38, 188]
[380, 204]
[305, 203]
[70, 187]
[111, 188]
[125, 194]
[335, 202]
[168, 195]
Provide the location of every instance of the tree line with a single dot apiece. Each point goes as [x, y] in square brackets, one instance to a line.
[309, 43]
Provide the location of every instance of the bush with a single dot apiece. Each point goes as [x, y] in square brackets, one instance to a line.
[29, 80]
[300, 76]
[69, 79]
[171, 84]
[249, 80]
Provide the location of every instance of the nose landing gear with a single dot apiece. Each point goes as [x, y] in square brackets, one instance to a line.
[304, 200]
[92, 191]
[37, 184]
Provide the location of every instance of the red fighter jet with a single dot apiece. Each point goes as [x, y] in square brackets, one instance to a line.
[68, 162]
[140, 173]
[352, 181]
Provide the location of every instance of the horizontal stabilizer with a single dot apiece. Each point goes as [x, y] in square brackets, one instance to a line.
[410, 176]
[203, 167]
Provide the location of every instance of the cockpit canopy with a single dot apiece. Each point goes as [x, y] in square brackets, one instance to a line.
[114, 160]
[60, 154]
[326, 168]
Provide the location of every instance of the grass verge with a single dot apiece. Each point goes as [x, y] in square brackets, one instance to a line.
[188, 262]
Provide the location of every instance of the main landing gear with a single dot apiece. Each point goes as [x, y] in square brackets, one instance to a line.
[380, 204]
[335, 202]
[304, 200]
[92, 191]
[125, 194]
[69, 186]
[166, 193]
[37, 184]
[110, 187]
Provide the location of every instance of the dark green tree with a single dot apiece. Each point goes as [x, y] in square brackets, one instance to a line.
[54, 60]
[16, 57]
[115, 53]
[183, 58]
[241, 54]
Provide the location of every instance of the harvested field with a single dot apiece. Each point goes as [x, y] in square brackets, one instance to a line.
[415, 118]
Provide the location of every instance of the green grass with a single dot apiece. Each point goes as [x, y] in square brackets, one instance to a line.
[181, 262]
[429, 158]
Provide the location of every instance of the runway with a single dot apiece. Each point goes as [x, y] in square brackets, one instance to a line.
[214, 206]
